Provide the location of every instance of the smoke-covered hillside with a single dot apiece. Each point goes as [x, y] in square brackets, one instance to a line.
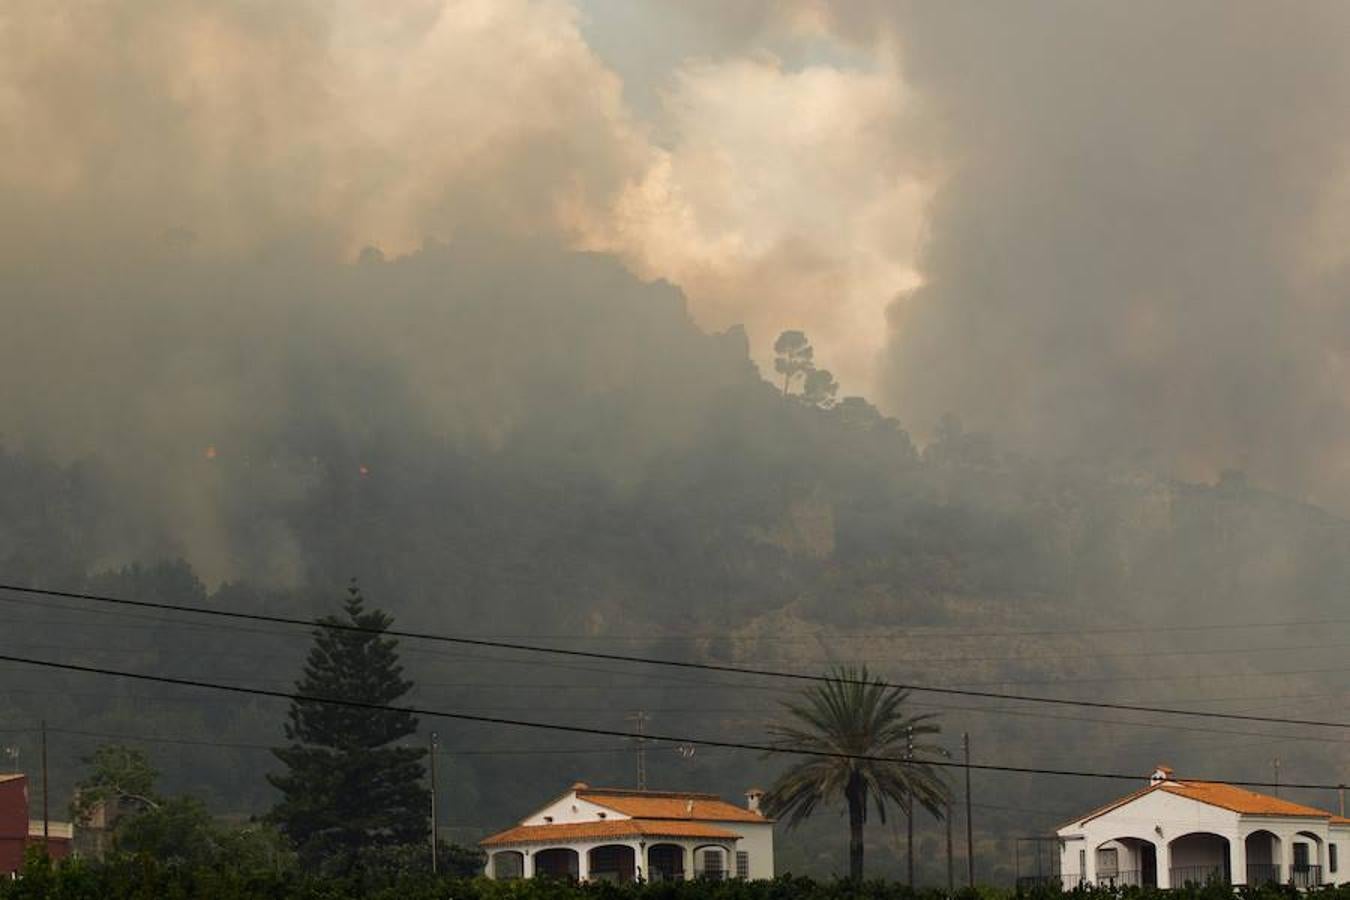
[518, 441]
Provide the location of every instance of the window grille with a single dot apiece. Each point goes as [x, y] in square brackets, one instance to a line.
[743, 864]
[1108, 862]
[1331, 857]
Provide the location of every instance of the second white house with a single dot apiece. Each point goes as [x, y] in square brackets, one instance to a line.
[1173, 832]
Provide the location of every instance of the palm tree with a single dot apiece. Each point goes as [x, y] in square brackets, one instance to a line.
[861, 744]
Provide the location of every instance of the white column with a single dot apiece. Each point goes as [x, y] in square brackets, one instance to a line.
[1164, 856]
[527, 866]
[583, 862]
[639, 861]
[1237, 858]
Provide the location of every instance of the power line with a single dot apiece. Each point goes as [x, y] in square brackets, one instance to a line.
[605, 732]
[679, 664]
[681, 683]
[872, 634]
[1113, 679]
[915, 660]
[191, 742]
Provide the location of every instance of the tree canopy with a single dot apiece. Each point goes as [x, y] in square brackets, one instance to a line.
[349, 784]
[854, 731]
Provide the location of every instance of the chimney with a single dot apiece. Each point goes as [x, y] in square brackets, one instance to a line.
[752, 798]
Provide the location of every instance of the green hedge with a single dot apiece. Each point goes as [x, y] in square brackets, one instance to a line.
[143, 878]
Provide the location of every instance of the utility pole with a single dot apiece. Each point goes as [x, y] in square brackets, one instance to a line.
[1276, 764]
[1340, 789]
[951, 862]
[435, 817]
[909, 808]
[639, 720]
[970, 827]
[46, 796]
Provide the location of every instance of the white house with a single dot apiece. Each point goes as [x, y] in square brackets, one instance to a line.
[1172, 832]
[625, 835]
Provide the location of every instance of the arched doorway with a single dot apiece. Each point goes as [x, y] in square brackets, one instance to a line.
[557, 862]
[1127, 861]
[1200, 857]
[1306, 870]
[665, 862]
[612, 862]
[508, 864]
[1264, 853]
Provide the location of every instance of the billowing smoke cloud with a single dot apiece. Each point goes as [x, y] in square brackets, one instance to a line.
[778, 195]
[1136, 244]
[235, 125]
[787, 198]
[1131, 218]
[1139, 251]
[180, 185]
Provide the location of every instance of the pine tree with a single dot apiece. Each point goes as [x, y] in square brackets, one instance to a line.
[348, 785]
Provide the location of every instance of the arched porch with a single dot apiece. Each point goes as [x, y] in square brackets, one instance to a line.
[1126, 861]
[1200, 857]
[1264, 852]
[557, 862]
[710, 861]
[612, 862]
[665, 862]
[1305, 870]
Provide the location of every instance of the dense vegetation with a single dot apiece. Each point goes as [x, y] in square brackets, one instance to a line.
[130, 878]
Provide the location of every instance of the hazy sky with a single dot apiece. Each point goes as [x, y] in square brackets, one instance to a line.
[1088, 227]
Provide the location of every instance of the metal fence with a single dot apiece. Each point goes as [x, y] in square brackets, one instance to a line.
[1183, 875]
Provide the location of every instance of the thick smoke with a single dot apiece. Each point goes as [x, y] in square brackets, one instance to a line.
[178, 187]
[1135, 244]
[233, 126]
[1130, 216]
[1139, 251]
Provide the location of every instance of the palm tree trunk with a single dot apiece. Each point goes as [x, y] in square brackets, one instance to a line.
[857, 811]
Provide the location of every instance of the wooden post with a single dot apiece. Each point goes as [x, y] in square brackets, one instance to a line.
[951, 863]
[46, 796]
[970, 828]
[909, 812]
[435, 817]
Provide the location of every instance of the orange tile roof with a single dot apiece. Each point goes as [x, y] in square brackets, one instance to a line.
[1241, 800]
[1224, 796]
[11, 777]
[669, 805]
[1340, 820]
[614, 828]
